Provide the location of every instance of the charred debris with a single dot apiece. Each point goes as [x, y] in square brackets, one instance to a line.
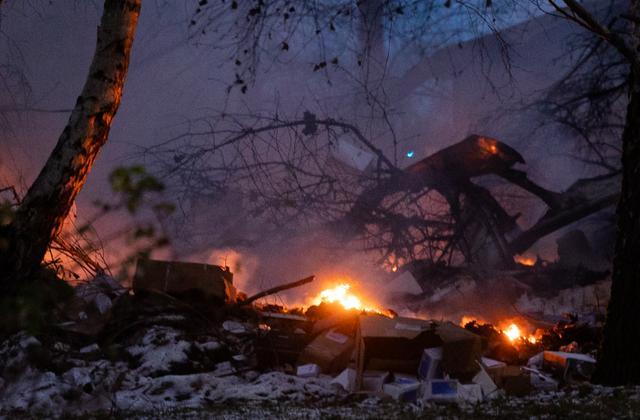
[187, 322]
[182, 330]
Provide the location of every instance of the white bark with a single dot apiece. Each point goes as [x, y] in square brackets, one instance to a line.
[51, 196]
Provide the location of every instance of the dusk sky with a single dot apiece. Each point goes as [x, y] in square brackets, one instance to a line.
[177, 76]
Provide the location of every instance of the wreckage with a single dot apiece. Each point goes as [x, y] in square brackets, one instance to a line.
[183, 336]
[481, 230]
[471, 245]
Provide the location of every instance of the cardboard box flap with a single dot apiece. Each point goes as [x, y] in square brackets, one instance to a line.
[450, 332]
[382, 327]
[176, 277]
[344, 321]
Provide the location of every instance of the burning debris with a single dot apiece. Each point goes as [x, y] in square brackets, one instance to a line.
[342, 296]
[182, 338]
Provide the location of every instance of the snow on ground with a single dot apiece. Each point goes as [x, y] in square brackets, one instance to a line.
[202, 390]
[72, 384]
[161, 372]
[158, 349]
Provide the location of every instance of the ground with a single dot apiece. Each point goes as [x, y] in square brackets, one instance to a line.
[587, 402]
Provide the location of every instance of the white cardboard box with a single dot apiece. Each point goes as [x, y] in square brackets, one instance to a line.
[429, 367]
[446, 390]
[541, 381]
[373, 380]
[492, 364]
[485, 382]
[346, 379]
[310, 370]
[402, 390]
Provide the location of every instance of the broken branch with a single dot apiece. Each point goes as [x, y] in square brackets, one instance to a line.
[277, 289]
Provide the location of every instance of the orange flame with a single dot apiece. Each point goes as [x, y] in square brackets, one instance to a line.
[467, 319]
[510, 329]
[514, 334]
[341, 294]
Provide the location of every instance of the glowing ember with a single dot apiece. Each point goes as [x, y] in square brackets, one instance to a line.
[524, 260]
[341, 294]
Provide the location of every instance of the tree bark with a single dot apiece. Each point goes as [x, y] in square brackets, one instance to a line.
[618, 359]
[42, 212]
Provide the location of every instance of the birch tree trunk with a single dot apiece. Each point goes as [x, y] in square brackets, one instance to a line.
[47, 203]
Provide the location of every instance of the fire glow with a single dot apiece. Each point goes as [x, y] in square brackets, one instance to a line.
[342, 295]
[511, 330]
[514, 334]
[524, 260]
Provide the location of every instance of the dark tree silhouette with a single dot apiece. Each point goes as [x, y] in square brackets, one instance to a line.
[617, 362]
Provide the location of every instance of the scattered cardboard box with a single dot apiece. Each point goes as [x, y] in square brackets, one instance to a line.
[374, 380]
[460, 350]
[540, 381]
[310, 370]
[391, 344]
[429, 367]
[403, 388]
[484, 381]
[398, 344]
[405, 378]
[536, 361]
[330, 350]
[491, 364]
[346, 321]
[441, 390]
[494, 368]
[514, 381]
[346, 380]
[176, 278]
[569, 366]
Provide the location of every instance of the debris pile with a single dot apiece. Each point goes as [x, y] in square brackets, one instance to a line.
[184, 337]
